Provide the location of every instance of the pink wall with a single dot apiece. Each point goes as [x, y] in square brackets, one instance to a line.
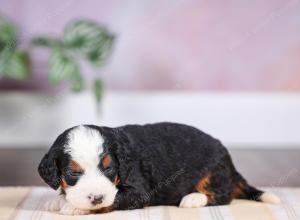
[245, 45]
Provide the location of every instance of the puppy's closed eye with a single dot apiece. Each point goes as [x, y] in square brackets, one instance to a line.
[72, 173]
[108, 167]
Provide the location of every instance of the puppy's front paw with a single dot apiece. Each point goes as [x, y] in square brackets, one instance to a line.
[69, 209]
[55, 204]
[193, 200]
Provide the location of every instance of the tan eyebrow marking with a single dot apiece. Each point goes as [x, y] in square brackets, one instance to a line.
[75, 166]
[106, 161]
[64, 184]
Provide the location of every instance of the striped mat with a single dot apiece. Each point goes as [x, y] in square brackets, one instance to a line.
[26, 203]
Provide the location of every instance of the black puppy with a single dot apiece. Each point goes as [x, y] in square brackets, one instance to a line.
[101, 169]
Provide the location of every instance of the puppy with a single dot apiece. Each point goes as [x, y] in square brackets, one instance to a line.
[101, 169]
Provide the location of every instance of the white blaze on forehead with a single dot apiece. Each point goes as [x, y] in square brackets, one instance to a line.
[85, 145]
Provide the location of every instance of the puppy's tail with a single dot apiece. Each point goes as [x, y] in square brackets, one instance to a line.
[242, 190]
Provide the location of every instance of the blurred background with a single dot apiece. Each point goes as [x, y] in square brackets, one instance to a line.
[230, 68]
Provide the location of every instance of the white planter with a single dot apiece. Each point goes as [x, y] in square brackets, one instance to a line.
[238, 119]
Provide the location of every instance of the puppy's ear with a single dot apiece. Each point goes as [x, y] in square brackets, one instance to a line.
[49, 171]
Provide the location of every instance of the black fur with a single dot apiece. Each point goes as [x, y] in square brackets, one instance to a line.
[158, 164]
[53, 165]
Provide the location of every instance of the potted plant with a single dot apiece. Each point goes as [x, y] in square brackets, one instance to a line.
[81, 40]
[36, 117]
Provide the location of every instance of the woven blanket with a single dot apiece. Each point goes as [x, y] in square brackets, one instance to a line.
[27, 203]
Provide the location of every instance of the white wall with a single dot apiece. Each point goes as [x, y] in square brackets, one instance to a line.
[238, 119]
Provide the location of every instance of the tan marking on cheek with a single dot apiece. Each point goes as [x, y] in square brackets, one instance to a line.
[117, 180]
[203, 187]
[75, 166]
[64, 184]
[106, 161]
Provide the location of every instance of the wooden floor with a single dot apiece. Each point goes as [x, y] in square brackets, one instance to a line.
[260, 167]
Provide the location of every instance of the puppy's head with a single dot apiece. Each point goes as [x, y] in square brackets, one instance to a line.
[81, 165]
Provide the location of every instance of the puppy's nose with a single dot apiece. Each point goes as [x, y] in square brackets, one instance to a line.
[96, 199]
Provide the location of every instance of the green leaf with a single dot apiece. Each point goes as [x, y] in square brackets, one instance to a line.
[8, 33]
[5, 55]
[89, 40]
[15, 65]
[80, 34]
[61, 67]
[77, 82]
[18, 66]
[98, 89]
[46, 42]
[101, 52]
